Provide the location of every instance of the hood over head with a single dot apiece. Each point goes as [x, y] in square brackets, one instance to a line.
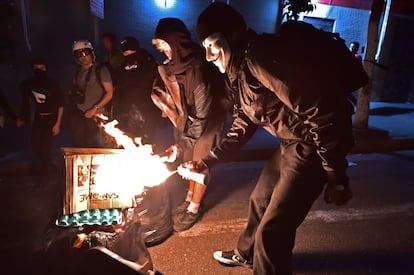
[176, 34]
[220, 17]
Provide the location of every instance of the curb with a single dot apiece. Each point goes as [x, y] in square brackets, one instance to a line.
[362, 146]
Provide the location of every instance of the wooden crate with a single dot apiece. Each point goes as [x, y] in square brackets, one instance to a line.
[81, 189]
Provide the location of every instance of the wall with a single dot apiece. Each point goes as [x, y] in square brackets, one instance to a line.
[350, 23]
[396, 74]
[54, 25]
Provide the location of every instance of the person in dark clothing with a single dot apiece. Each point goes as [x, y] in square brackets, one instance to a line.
[188, 93]
[354, 48]
[114, 57]
[286, 94]
[45, 93]
[133, 107]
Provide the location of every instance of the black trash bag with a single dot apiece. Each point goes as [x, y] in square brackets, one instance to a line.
[59, 254]
[154, 215]
[126, 246]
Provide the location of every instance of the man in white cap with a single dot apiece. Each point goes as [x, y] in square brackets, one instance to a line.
[91, 92]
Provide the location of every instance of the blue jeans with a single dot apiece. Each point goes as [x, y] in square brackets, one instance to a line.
[290, 182]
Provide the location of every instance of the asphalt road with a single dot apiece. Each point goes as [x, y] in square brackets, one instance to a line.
[373, 234]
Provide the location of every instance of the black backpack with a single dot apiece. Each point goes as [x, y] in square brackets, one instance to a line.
[309, 58]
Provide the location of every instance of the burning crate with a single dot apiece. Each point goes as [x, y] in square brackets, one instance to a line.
[84, 191]
[101, 183]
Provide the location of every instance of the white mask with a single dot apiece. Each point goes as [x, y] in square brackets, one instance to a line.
[217, 50]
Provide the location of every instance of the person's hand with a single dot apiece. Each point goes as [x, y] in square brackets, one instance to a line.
[337, 190]
[91, 112]
[172, 153]
[19, 122]
[56, 129]
[194, 170]
[337, 194]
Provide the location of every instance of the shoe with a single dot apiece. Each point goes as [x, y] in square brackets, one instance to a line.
[181, 208]
[187, 220]
[230, 258]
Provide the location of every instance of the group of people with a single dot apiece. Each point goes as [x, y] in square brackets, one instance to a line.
[299, 101]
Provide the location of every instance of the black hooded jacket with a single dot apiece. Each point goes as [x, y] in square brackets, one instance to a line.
[292, 103]
[200, 84]
[133, 86]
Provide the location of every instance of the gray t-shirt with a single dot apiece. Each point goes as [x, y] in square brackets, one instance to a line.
[94, 90]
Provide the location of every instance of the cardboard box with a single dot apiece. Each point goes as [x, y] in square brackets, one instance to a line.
[82, 190]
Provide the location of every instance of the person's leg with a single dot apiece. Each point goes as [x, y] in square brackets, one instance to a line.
[259, 199]
[300, 183]
[76, 127]
[46, 146]
[36, 143]
[93, 136]
[196, 191]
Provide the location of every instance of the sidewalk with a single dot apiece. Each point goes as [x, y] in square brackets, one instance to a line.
[391, 128]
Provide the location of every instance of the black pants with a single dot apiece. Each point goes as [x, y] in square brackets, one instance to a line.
[85, 132]
[42, 137]
[290, 182]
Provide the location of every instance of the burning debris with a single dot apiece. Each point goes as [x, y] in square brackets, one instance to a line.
[114, 199]
[111, 178]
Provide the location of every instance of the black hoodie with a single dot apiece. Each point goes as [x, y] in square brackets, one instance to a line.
[199, 82]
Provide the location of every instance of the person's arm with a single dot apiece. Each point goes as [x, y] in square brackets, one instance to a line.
[240, 132]
[59, 103]
[198, 120]
[56, 127]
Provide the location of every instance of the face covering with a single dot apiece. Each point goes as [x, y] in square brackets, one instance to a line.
[132, 58]
[39, 73]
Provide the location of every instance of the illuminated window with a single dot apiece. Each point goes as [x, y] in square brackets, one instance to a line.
[165, 4]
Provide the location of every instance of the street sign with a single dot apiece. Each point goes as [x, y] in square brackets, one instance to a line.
[97, 8]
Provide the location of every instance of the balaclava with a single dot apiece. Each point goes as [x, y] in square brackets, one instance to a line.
[132, 44]
[37, 60]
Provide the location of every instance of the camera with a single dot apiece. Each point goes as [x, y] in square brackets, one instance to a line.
[76, 95]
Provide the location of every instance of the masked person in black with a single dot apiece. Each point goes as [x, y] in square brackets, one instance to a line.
[133, 107]
[286, 85]
[191, 93]
[45, 93]
[91, 92]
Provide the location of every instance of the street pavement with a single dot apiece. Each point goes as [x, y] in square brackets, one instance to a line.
[372, 234]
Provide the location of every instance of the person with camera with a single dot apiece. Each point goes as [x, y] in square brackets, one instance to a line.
[45, 93]
[91, 91]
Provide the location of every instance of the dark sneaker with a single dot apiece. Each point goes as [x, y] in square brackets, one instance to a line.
[181, 208]
[230, 258]
[187, 220]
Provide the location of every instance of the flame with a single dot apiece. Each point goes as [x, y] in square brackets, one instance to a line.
[128, 172]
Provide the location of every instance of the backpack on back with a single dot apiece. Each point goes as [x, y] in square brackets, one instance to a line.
[308, 56]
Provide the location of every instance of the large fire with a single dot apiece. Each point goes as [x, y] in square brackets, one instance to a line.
[130, 171]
